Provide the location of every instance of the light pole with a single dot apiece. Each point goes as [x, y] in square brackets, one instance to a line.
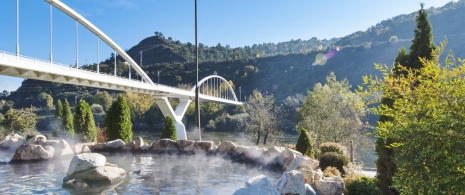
[51, 37]
[240, 94]
[197, 107]
[158, 73]
[141, 52]
[17, 29]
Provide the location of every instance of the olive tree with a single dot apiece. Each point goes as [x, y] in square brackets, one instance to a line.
[333, 113]
[19, 120]
[263, 117]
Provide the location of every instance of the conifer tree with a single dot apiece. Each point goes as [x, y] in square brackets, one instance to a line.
[59, 110]
[169, 130]
[84, 124]
[421, 47]
[118, 121]
[68, 123]
[304, 144]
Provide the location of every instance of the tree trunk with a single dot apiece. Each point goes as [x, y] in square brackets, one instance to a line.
[264, 139]
[258, 137]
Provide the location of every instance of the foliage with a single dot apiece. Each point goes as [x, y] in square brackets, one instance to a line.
[21, 120]
[427, 122]
[169, 130]
[263, 117]
[118, 121]
[138, 104]
[84, 125]
[332, 147]
[68, 122]
[333, 112]
[334, 159]
[304, 144]
[331, 172]
[361, 185]
[420, 49]
[59, 110]
[102, 98]
[97, 109]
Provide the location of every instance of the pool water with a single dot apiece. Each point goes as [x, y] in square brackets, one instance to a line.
[147, 174]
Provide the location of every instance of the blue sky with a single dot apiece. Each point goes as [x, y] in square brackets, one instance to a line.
[230, 22]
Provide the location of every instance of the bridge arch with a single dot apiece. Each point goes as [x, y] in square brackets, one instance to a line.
[216, 86]
[84, 22]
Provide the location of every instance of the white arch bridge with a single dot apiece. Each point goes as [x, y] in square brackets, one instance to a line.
[211, 89]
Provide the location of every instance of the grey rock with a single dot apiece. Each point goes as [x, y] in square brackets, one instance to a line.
[186, 145]
[130, 145]
[291, 182]
[62, 149]
[257, 185]
[165, 145]
[85, 161]
[115, 144]
[36, 138]
[329, 186]
[240, 149]
[33, 152]
[308, 174]
[309, 190]
[139, 142]
[226, 147]
[203, 145]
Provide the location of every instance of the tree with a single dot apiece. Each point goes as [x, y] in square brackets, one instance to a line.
[169, 130]
[421, 48]
[103, 98]
[427, 124]
[138, 104]
[21, 121]
[263, 117]
[59, 110]
[49, 102]
[304, 144]
[118, 120]
[333, 113]
[84, 124]
[68, 123]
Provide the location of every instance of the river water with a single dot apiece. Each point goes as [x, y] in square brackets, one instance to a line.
[147, 173]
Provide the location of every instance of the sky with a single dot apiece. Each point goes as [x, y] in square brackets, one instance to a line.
[229, 22]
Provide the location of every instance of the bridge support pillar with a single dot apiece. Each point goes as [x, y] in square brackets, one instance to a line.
[177, 114]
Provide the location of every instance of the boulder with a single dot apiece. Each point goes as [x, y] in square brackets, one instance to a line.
[257, 185]
[130, 145]
[309, 190]
[291, 182]
[51, 142]
[11, 143]
[318, 175]
[115, 144]
[186, 145]
[139, 142]
[165, 146]
[101, 174]
[255, 154]
[80, 148]
[329, 186]
[98, 146]
[36, 138]
[308, 175]
[240, 149]
[33, 152]
[203, 145]
[226, 147]
[145, 148]
[309, 162]
[62, 149]
[85, 161]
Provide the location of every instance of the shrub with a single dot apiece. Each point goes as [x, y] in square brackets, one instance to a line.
[361, 186]
[68, 119]
[19, 121]
[331, 171]
[84, 125]
[331, 147]
[102, 135]
[304, 144]
[118, 121]
[96, 108]
[334, 159]
[169, 131]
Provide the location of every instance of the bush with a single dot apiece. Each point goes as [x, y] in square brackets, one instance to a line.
[96, 108]
[68, 119]
[304, 144]
[331, 171]
[102, 135]
[361, 186]
[169, 131]
[118, 121]
[333, 159]
[331, 147]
